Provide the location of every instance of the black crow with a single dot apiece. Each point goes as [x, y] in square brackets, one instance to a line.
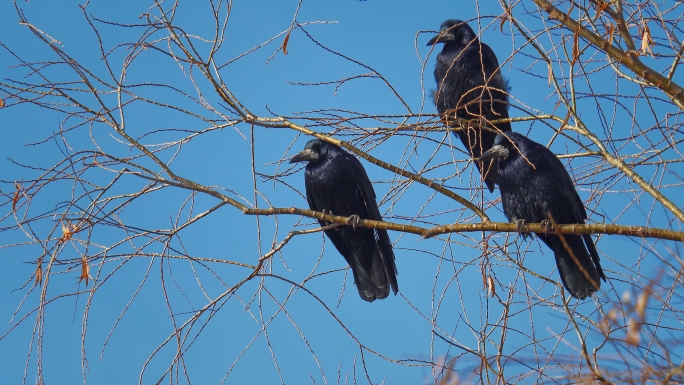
[535, 185]
[337, 183]
[470, 86]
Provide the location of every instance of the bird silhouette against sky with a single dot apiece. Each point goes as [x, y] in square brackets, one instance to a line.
[471, 87]
[337, 183]
[535, 187]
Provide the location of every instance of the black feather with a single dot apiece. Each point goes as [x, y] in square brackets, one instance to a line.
[337, 183]
[534, 184]
[470, 86]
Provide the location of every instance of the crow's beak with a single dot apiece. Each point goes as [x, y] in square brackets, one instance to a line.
[495, 152]
[306, 155]
[441, 38]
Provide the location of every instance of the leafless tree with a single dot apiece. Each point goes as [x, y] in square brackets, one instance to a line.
[126, 207]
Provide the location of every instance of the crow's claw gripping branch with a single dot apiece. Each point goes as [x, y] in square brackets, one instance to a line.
[353, 220]
[520, 223]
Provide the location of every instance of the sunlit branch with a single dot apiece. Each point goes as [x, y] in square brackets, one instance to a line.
[629, 59]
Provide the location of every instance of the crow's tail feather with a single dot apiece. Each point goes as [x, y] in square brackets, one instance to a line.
[580, 273]
[375, 281]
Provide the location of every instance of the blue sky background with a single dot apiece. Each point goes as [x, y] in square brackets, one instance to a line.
[438, 279]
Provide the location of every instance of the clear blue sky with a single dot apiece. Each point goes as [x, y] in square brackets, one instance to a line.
[378, 33]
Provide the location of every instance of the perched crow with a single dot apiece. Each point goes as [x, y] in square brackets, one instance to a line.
[534, 185]
[470, 86]
[337, 183]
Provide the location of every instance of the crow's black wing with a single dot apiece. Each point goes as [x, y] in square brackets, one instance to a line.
[470, 85]
[565, 186]
[568, 208]
[367, 194]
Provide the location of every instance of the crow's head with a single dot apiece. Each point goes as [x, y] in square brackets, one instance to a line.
[503, 147]
[453, 30]
[314, 150]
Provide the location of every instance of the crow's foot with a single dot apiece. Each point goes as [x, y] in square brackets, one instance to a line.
[324, 211]
[353, 220]
[520, 223]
